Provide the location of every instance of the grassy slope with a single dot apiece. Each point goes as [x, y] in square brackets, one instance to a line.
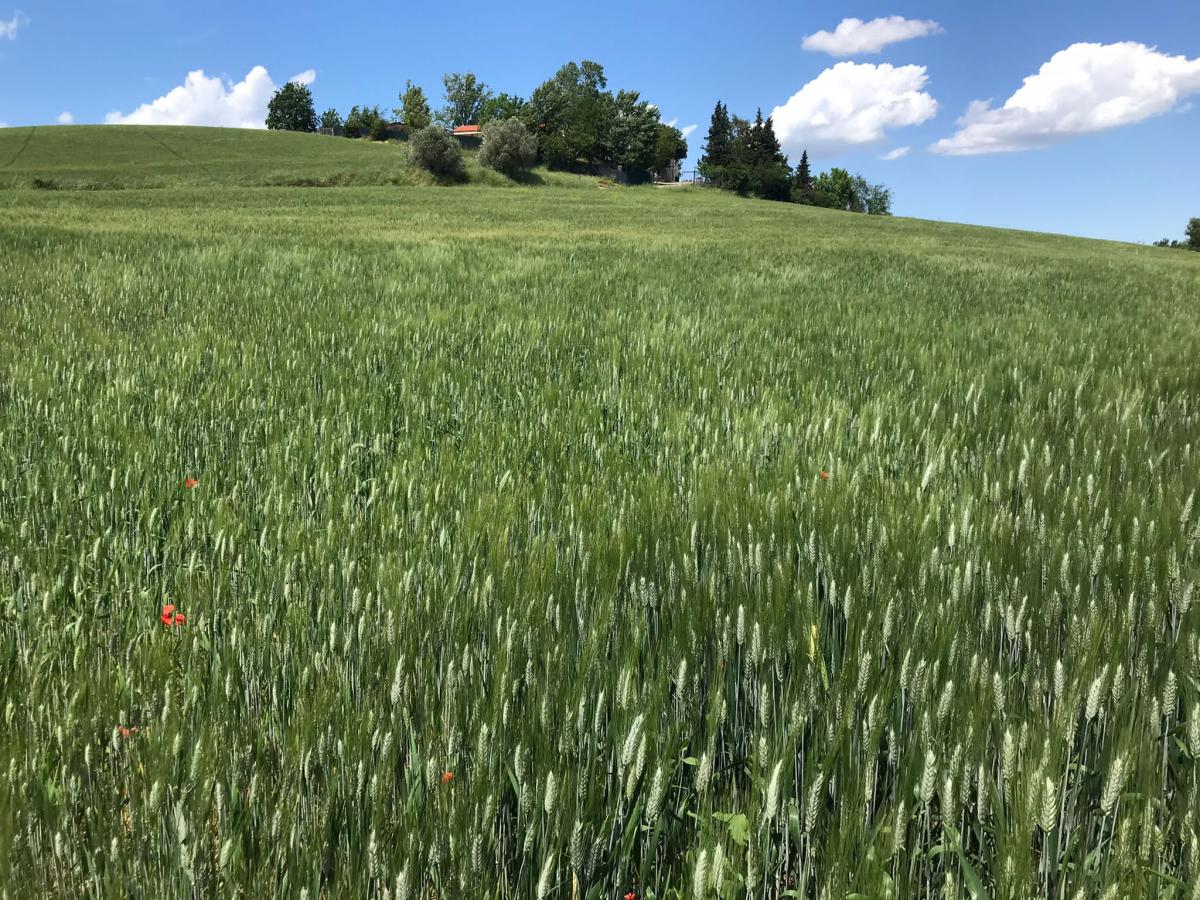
[611, 407]
[128, 156]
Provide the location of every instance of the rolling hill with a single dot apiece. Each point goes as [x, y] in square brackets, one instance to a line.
[106, 157]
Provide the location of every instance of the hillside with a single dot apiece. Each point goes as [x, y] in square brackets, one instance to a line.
[582, 543]
[104, 157]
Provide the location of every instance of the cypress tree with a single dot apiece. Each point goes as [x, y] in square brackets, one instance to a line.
[769, 146]
[756, 152]
[720, 140]
[804, 181]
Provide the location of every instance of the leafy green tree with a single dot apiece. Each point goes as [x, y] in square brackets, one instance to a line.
[632, 131]
[741, 147]
[501, 106]
[465, 99]
[873, 199]
[436, 151]
[838, 186]
[718, 145]
[669, 146]
[1193, 234]
[413, 110]
[291, 109]
[330, 119]
[361, 122]
[571, 113]
[508, 147]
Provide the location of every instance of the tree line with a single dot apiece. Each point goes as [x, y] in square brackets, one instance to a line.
[574, 117]
[576, 120]
[1191, 239]
[746, 157]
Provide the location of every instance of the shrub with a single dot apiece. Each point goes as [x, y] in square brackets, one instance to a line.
[379, 130]
[508, 147]
[436, 151]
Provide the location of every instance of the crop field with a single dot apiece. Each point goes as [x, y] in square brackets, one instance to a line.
[410, 542]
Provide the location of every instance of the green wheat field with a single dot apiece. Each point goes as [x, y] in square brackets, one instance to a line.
[573, 541]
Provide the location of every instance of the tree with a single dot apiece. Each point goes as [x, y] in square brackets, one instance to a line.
[802, 181]
[465, 97]
[508, 147]
[718, 145]
[501, 106]
[873, 199]
[330, 120]
[361, 122]
[632, 133]
[763, 144]
[1193, 234]
[438, 152]
[669, 146]
[837, 189]
[291, 109]
[571, 113]
[413, 111]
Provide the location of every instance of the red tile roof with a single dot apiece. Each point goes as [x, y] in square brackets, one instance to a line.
[467, 129]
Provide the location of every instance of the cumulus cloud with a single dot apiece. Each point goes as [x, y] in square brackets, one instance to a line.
[856, 36]
[1081, 90]
[10, 27]
[65, 118]
[853, 104]
[687, 130]
[204, 100]
[898, 153]
[308, 76]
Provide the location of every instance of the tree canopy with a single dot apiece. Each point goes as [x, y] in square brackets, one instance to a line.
[669, 145]
[569, 111]
[413, 110]
[466, 97]
[291, 109]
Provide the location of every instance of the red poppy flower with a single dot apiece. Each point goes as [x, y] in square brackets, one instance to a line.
[824, 475]
[447, 777]
[190, 483]
[126, 732]
[632, 895]
[170, 618]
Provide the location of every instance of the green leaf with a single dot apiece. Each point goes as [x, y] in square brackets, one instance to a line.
[970, 876]
[738, 824]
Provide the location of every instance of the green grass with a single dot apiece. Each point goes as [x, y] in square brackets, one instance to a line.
[97, 157]
[526, 486]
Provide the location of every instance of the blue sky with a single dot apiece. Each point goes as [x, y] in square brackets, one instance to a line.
[1103, 144]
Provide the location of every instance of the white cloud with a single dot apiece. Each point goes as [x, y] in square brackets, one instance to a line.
[202, 100]
[898, 153]
[1081, 90]
[687, 130]
[10, 27]
[65, 118]
[671, 124]
[3, 124]
[856, 36]
[308, 76]
[852, 104]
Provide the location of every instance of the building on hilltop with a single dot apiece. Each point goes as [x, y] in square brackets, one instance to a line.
[470, 136]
